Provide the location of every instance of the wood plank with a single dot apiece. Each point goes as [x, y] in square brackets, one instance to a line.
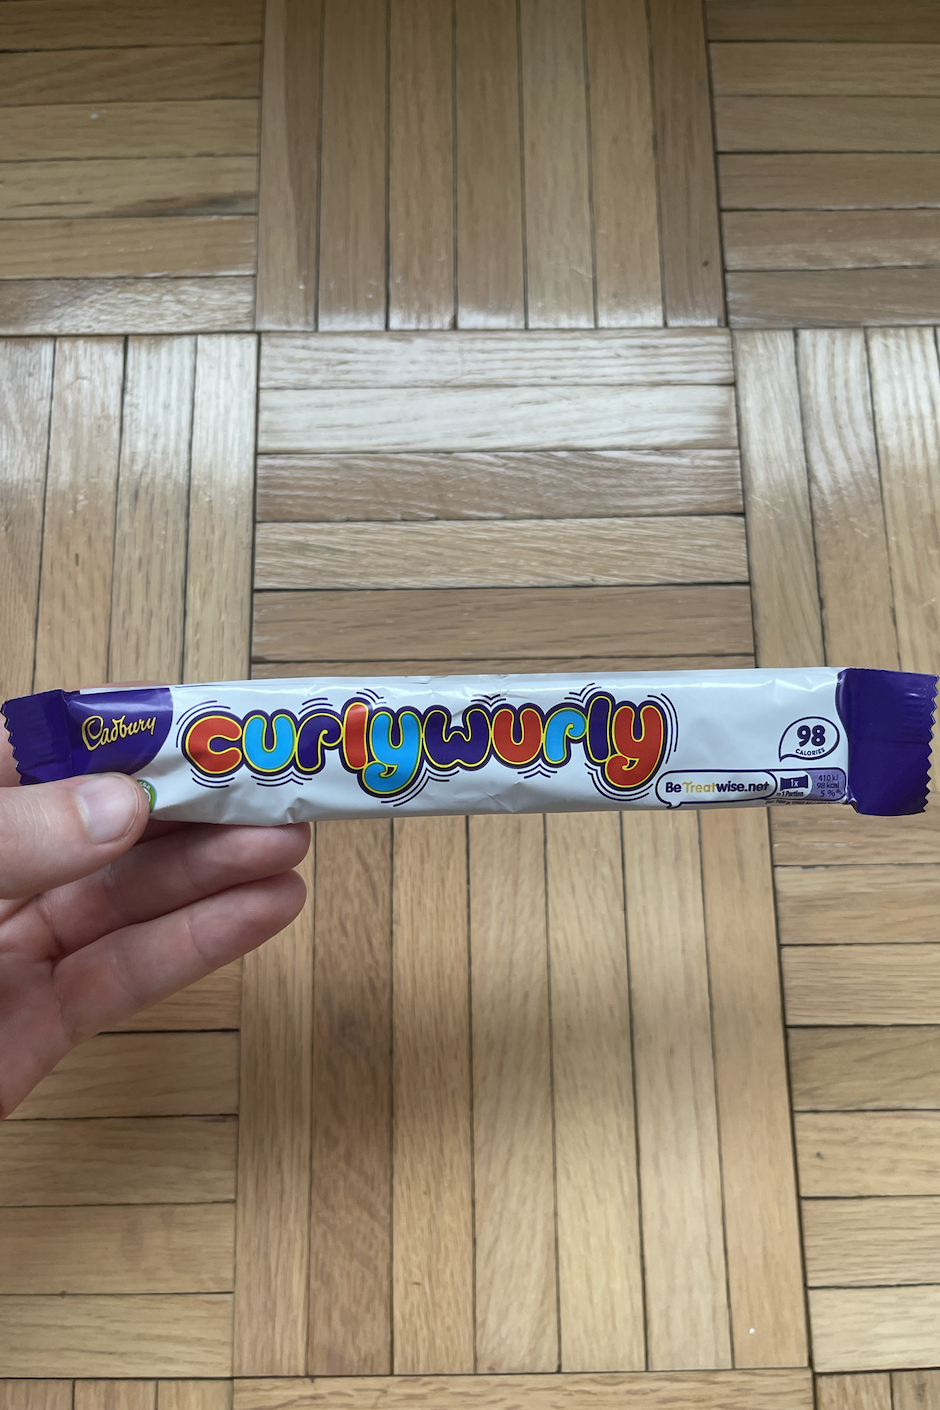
[187, 1335]
[350, 1212]
[558, 243]
[906, 395]
[819, 180]
[827, 123]
[868, 69]
[150, 74]
[274, 670]
[842, 21]
[125, 187]
[36, 1395]
[688, 202]
[67, 249]
[857, 905]
[289, 167]
[481, 359]
[834, 298]
[521, 623]
[432, 1213]
[623, 166]
[148, 594]
[421, 195]
[773, 463]
[854, 1392]
[217, 630]
[78, 532]
[916, 1388]
[861, 983]
[854, 1242]
[102, 306]
[194, 1395]
[762, 1232]
[686, 1292]
[210, 1004]
[520, 553]
[496, 418]
[830, 239]
[833, 1069]
[271, 1245]
[868, 1153]
[513, 485]
[62, 24]
[353, 166]
[491, 277]
[830, 835]
[25, 403]
[174, 1248]
[845, 490]
[211, 127]
[874, 1328]
[115, 1395]
[513, 1149]
[702, 1390]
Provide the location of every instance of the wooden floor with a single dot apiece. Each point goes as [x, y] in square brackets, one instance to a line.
[591, 1110]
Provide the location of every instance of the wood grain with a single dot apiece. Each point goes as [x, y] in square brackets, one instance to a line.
[219, 552]
[211, 1003]
[194, 1395]
[830, 835]
[36, 1395]
[861, 983]
[688, 202]
[274, 670]
[174, 1248]
[520, 553]
[25, 403]
[148, 74]
[518, 623]
[271, 1244]
[839, 1069]
[115, 1395]
[211, 127]
[60, 24]
[127, 187]
[916, 1388]
[140, 1074]
[491, 277]
[826, 123]
[842, 21]
[819, 180]
[854, 1392]
[834, 298]
[686, 1292]
[854, 1242]
[103, 306]
[762, 1232]
[350, 1212]
[868, 1153]
[68, 249]
[773, 464]
[826, 69]
[352, 166]
[857, 905]
[421, 194]
[857, 1329]
[432, 1260]
[845, 489]
[830, 239]
[513, 1192]
[289, 166]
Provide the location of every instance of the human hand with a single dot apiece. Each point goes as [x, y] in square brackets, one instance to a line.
[103, 913]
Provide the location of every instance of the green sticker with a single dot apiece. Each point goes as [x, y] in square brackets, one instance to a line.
[150, 791]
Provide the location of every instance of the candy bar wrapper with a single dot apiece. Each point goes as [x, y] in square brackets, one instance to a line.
[276, 751]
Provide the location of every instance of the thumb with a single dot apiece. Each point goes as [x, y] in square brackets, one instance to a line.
[51, 833]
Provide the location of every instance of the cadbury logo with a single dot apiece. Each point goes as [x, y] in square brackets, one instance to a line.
[96, 731]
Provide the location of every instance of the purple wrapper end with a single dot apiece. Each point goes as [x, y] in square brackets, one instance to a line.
[888, 717]
[39, 732]
[63, 733]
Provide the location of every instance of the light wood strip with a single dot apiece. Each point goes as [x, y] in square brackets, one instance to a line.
[194, 1395]
[219, 551]
[864, 1068]
[140, 1074]
[841, 21]
[421, 165]
[25, 403]
[764, 240]
[858, 1392]
[826, 69]
[78, 530]
[272, 670]
[177, 186]
[861, 983]
[174, 1248]
[482, 359]
[513, 485]
[351, 1213]
[495, 418]
[834, 298]
[915, 1389]
[704, 1390]
[828, 123]
[874, 1328]
[623, 166]
[845, 488]
[289, 167]
[829, 835]
[762, 1233]
[79, 249]
[187, 1335]
[854, 1242]
[102, 306]
[271, 1244]
[857, 905]
[522, 623]
[776, 491]
[352, 166]
[677, 1125]
[153, 74]
[61, 24]
[491, 279]
[868, 1153]
[524, 553]
[115, 1395]
[432, 1263]
[819, 180]
[906, 393]
[213, 127]
[210, 1004]
[514, 1200]
[36, 1395]
[153, 492]
[688, 202]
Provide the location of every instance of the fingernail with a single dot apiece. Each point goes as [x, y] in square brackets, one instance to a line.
[108, 803]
